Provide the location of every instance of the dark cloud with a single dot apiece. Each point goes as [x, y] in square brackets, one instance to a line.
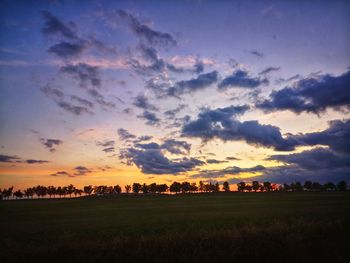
[81, 170]
[32, 161]
[76, 110]
[54, 26]
[61, 173]
[150, 117]
[214, 161]
[82, 101]
[219, 123]
[230, 158]
[100, 99]
[51, 144]
[84, 73]
[337, 137]
[145, 33]
[171, 145]
[141, 101]
[66, 49]
[241, 79]
[170, 114]
[124, 135]
[9, 159]
[143, 138]
[108, 146]
[312, 94]
[257, 53]
[234, 170]
[268, 70]
[152, 161]
[16, 159]
[315, 159]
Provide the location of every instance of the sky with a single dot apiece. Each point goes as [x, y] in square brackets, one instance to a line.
[116, 92]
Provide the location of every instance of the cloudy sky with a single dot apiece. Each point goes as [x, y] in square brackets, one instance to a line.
[107, 92]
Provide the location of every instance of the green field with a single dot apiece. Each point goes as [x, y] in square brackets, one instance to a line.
[216, 227]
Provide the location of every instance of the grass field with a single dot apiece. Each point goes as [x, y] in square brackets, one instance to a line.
[222, 227]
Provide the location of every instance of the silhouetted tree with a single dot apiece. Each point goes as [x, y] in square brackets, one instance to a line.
[29, 192]
[162, 188]
[70, 190]
[127, 188]
[248, 187]
[216, 187]
[18, 194]
[153, 188]
[7, 193]
[117, 189]
[193, 187]
[175, 187]
[88, 189]
[51, 191]
[136, 188]
[226, 187]
[308, 185]
[77, 192]
[185, 187]
[201, 186]
[329, 186]
[241, 186]
[342, 186]
[267, 186]
[145, 188]
[255, 185]
[316, 186]
[286, 187]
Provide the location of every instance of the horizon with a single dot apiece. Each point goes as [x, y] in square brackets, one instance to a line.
[106, 93]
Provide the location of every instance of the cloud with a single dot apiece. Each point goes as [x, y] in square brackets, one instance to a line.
[55, 26]
[150, 117]
[108, 146]
[141, 101]
[315, 159]
[234, 170]
[145, 33]
[257, 53]
[312, 94]
[231, 158]
[76, 110]
[143, 138]
[99, 98]
[81, 170]
[153, 161]
[82, 101]
[220, 124]
[61, 173]
[124, 135]
[214, 161]
[32, 161]
[268, 70]
[66, 49]
[9, 159]
[16, 159]
[84, 73]
[51, 144]
[176, 147]
[241, 79]
[336, 136]
[170, 114]
[184, 86]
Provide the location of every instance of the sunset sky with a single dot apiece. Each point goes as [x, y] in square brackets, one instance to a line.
[115, 92]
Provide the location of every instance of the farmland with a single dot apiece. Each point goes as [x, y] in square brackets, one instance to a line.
[213, 227]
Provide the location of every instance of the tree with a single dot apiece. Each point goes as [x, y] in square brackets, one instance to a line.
[51, 191]
[241, 186]
[6, 193]
[175, 187]
[316, 186]
[145, 188]
[255, 185]
[88, 189]
[18, 194]
[226, 187]
[248, 187]
[153, 188]
[216, 187]
[308, 185]
[201, 186]
[267, 186]
[77, 192]
[127, 188]
[185, 187]
[29, 192]
[329, 186]
[117, 189]
[342, 186]
[162, 188]
[136, 188]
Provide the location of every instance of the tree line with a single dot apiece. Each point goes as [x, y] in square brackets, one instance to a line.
[41, 191]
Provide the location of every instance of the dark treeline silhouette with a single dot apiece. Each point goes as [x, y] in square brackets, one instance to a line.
[175, 188]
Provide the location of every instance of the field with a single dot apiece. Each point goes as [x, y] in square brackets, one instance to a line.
[221, 227]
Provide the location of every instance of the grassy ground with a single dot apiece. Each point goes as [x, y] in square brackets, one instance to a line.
[222, 227]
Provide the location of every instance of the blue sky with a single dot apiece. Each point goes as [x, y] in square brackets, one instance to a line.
[82, 72]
